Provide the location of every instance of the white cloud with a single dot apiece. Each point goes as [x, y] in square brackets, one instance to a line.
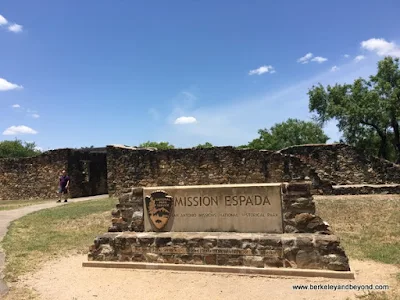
[319, 59]
[334, 69]
[359, 58]
[15, 28]
[185, 120]
[346, 56]
[261, 70]
[3, 21]
[310, 57]
[12, 27]
[233, 121]
[305, 58]
[183, 102]
[21, 129]
[6, 86]
[381, 47]
[31, 113]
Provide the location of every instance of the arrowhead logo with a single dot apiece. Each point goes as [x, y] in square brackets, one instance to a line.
[159, 207]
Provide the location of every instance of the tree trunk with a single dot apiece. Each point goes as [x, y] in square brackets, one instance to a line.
[396, 141]
[383, 148]
[383, 135]
[398, 154]
[396, 138]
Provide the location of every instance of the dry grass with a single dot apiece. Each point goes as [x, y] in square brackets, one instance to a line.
[369, 226]
[369, 229]
[49, 233]
[379, 296]
[22, 293]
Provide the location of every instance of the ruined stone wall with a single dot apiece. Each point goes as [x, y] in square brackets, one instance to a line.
[88, 172]
[344, 165]
[129, 168]
[33, 177]
[298, 210]
[37, 177]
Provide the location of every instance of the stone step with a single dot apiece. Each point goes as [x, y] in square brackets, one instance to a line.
[261, 250]
[364, 189]
[222, 269]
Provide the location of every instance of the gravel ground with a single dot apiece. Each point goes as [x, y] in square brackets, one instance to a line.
[66, 279]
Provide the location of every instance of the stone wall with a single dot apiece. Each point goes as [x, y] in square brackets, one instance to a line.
[221, 165]
[116, 169]
[344, 165]
[298, 211]
[88, 171]
[37, 177]
[360, 189]
[297, 251]
[307, 241]
[33, 177]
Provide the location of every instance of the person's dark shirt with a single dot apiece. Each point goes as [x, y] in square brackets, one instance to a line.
[63, 181]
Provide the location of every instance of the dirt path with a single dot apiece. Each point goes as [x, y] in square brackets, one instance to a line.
[67, 279]
[7, 216]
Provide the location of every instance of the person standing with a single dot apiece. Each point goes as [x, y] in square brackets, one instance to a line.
[63, 186]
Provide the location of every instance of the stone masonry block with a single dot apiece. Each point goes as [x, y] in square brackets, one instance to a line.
[298, 189]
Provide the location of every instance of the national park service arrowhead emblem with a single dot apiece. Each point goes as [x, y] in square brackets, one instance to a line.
[159, 208]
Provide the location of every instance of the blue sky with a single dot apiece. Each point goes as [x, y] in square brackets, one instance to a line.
[80, 73]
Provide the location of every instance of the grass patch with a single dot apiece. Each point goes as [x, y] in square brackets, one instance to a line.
[369, 226]
[45, 234]
[378, 296]
[22, 293]
[14, 204]
[369, 229]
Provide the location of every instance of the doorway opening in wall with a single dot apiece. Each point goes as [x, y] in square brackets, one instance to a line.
[85, 166]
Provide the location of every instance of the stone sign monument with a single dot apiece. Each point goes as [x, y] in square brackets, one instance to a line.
[246, 225]
[225, 208]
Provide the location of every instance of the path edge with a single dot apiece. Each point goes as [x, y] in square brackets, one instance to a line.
[223, 269]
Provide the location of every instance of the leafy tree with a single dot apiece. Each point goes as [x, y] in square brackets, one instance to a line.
[205, 145]
[242, 147]
[158, 145]
[290, 133]
[17, 148]
[366, 111]
[369, 142]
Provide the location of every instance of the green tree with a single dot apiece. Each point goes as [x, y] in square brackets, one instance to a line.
[369, 142]
[290, 133]
[205, 145]
[158, 145]
[365, 110]
[17, 148]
